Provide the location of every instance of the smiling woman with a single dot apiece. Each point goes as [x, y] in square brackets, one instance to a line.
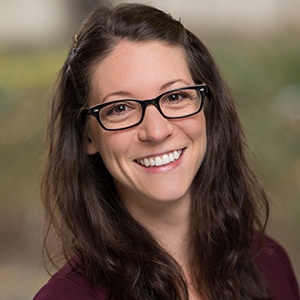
[146, 180]
[119, 75]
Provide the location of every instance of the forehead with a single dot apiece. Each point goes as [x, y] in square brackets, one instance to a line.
[147, 65]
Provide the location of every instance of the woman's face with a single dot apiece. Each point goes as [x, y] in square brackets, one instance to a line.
[142, 71]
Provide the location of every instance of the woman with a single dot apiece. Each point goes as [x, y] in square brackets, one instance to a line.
[146, 181]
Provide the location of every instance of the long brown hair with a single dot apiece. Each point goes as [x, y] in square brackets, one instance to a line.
[84, 209]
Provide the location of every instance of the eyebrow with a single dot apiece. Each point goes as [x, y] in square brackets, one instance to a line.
[127, 94]
[169, 84]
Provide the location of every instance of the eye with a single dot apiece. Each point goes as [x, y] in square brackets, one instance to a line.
[176, 97]
[118, 110]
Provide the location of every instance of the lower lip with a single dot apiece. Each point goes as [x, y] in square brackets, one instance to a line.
[164, 168]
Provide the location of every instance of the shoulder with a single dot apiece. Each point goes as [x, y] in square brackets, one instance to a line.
[67, 284]
[274, 264]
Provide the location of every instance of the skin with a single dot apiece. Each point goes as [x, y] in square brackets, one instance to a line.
[142, 71]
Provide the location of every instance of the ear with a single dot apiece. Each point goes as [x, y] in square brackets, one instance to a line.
[88, 140]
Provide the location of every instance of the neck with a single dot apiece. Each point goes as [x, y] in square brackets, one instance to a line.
[169, 224]
[172, 231]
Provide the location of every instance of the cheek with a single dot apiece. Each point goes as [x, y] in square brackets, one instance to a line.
[106, 147]
[112, 147]
[198, 136]
[203, 131]
[196, 129]
[202, 146]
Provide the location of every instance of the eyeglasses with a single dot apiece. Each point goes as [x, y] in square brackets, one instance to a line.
[175, 104]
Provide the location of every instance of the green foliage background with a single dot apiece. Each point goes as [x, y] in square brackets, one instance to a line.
[260, 71]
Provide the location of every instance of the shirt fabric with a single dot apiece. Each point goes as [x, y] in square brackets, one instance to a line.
[272, 261]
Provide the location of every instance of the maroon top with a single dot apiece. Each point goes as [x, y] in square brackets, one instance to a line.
[272, 260]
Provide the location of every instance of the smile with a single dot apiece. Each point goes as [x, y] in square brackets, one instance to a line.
[161, 160]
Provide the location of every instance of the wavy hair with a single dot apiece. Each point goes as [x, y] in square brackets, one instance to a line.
[84, 209]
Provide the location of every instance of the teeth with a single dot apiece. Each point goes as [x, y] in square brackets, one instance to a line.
[152, 162]
[165, 159]
[160, 160]
[171, 157]
[176, 154]
[146, 162]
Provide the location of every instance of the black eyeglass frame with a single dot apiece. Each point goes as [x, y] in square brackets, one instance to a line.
[94, 110]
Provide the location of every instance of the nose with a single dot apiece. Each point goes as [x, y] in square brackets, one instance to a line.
[154, 126]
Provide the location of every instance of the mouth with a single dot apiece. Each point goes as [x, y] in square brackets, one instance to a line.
[161, 160]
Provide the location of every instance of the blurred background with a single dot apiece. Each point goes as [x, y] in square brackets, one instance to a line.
[256, 44]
